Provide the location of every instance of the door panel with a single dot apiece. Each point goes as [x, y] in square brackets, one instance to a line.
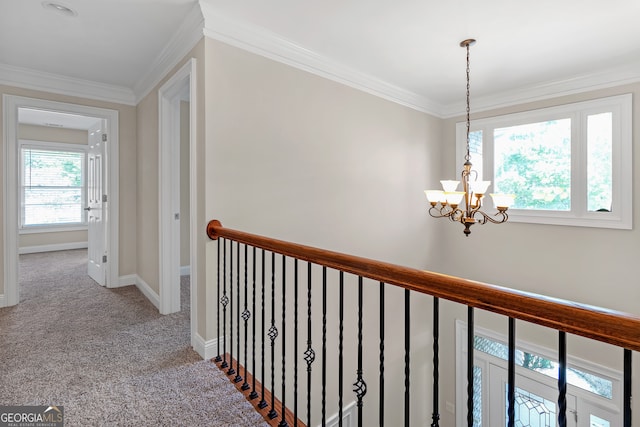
[535, 401]
[96, 226]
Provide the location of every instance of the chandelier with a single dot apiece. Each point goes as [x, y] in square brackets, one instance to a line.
[446, 203]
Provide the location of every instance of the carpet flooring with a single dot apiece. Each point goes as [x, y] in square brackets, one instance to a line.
[106, 355]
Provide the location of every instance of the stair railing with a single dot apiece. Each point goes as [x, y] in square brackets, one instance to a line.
[245, 251]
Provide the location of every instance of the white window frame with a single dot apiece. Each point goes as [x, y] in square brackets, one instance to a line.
[621, 215]
[52, 146]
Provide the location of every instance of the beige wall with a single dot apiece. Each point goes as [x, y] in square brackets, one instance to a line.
[297, 157]
[127, 160]
[590, 265]
[50, 134]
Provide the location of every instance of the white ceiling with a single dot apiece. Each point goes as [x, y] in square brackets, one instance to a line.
[524, 49]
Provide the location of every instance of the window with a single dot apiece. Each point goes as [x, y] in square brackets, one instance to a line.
[53, 190]
[594, 392]
[566, 165]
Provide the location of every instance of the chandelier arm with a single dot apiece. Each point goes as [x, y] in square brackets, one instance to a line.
[484, 218]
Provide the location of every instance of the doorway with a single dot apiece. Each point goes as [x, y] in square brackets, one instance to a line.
[178, 223]
[107, 246]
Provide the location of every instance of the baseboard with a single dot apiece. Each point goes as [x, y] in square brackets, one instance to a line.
[52, 247]
[185, 270]
[3, 301]
[148, 292]
[349, 417]
[206, 349]
[128, 280]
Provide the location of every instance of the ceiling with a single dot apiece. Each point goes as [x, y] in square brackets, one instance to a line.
[524, 50]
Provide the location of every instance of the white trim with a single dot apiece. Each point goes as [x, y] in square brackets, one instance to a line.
[63, 85]
[169, 185]
[265, 43]
[52, 247]
[128, 280]
[35, 229]
[185, 38]
[206, 349]
[2, 301]
[146, 290]
[11, 104]
[185, 270]
[349, 417]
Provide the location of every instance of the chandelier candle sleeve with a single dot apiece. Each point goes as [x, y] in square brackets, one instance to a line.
[447, 203]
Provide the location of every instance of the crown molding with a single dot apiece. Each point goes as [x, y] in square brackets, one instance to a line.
[603, 79]
[265, 43]
[187, 36]
[55, 83]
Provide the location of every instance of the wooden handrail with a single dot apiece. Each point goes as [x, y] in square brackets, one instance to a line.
[608, 326]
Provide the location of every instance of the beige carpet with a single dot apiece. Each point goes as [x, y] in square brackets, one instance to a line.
[106, 355]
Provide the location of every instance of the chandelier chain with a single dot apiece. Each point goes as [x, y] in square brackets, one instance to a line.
[467, 157]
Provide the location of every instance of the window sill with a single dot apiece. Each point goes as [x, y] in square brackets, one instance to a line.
[51, 229]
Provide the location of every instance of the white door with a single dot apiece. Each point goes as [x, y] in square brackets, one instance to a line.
[535, 401]
[95, 212]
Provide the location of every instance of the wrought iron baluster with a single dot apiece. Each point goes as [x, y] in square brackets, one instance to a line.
[309, 355]
[435, 417]
[224, 301]
[273, 333]
[246, 314]
[340, 347]
[263, 403]
[283, 422]
[254, 392]
[511, 393]
[407, 355]
[324, 346]
[470, 340]
[381, 379]
[295, 342]
[562, 379]
[360, 386]
[231, 371]
[627, 389]
[218, 358]
[237, 378]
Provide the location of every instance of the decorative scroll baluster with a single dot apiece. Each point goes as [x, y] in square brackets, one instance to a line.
[254, 393]
[407, 351]
[273, 334]
[381, 379]
[295, 342]
[283, 422]
[237, 378]
[511, 393]
[263, 403]
[246, 314]
[309, 355]
[562, 379]
[627, 389]
[340, 347]
[231, 371]
[470, 339]
[224, 301]
[435, 417]
[218, 358]
[324, 346]
[360, 386]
